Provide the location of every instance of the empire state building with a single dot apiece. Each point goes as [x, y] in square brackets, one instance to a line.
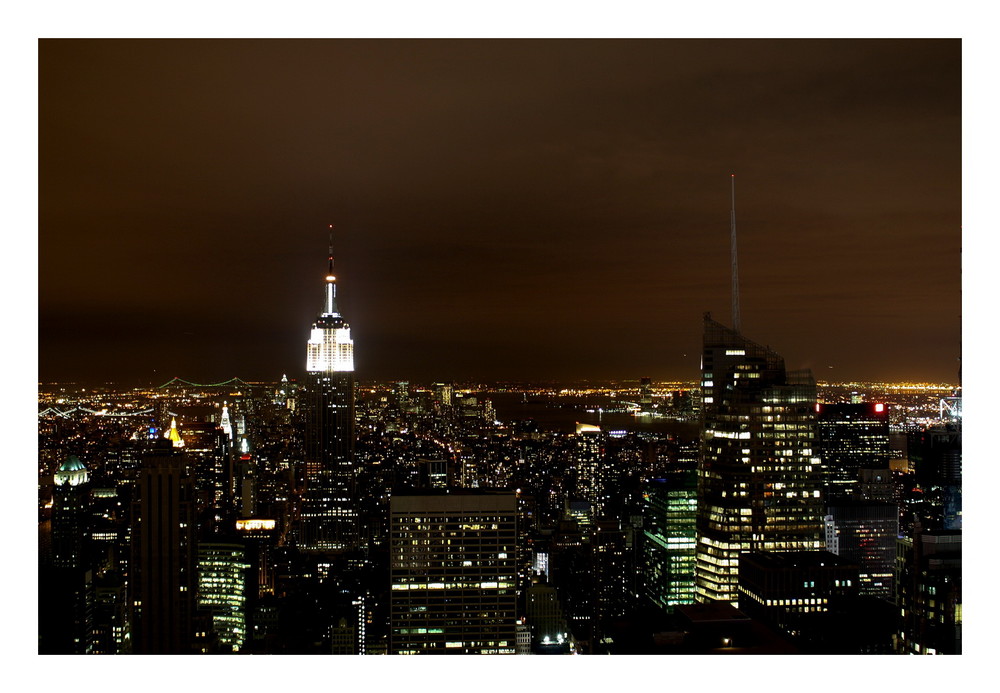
[329, 516]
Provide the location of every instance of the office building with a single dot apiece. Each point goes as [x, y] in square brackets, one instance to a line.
[545, 620]
[778, 587]
[759, 483]
[453, 572]
[645, 394]
[852, 437]
[71, 515]
[588, 461]
[209, 451]
[936, 459]
[111, 614]
[222, 593]
[163, 579]
[669, 538]
[929, 593]
[865, 532]
[329, 516]
[66, 610]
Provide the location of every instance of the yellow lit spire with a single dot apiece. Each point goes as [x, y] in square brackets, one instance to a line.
[173, 435]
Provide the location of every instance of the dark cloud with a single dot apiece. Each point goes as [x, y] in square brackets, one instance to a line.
[503, 208]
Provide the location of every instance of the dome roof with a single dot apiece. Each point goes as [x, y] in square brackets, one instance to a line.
[72, 464]
[71, 472]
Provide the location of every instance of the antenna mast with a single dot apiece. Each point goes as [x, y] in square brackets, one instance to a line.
[732, 252]
[330, 306]
[330, 257]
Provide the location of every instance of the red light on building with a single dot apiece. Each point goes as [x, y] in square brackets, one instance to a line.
[879, 408]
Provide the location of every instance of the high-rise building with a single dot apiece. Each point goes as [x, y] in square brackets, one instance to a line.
[545, 620]
[453, 569]
[222, 592]
[401, 393]
[852, 437]
[669, 516]
[70, 515]
[209, 451]
[588, 460]
[111, 614]
[759, 483]
[929, 593]
[329, 516]
[646, 394]
[66, 611]
[865, 532]
[442, 394]
[163, 579]
[936, 458]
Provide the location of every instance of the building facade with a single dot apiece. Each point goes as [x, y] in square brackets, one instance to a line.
[929, 593]
[222, 593]
[865, 533]
[163, 578]
[779, 587]
[669, 539]
[852, 437]
[759, 482]
[453, 570]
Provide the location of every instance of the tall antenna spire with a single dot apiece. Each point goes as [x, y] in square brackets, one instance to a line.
[732, 252]
[330, 305]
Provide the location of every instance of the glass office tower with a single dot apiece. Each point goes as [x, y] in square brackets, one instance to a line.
[759, 474]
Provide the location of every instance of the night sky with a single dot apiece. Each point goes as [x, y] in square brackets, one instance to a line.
[504, 209]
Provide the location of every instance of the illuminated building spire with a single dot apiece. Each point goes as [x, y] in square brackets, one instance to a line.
[330, 305]
[173, 435]
[330, 347]
[225, 424]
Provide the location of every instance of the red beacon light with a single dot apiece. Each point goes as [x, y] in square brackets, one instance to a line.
[879, 408]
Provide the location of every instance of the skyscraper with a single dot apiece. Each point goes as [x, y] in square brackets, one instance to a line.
[70, 515]
[852, 437]
[936, 457]
[759, 485]
[66, 610]
[453, 572]
[862, 520]
[222, 578]
[329, 509]
[929, 592]
[588, 459]
[163, 579]
[669, 516]
[865, 532]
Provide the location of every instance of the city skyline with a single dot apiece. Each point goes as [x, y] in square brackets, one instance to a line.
[503, 209]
